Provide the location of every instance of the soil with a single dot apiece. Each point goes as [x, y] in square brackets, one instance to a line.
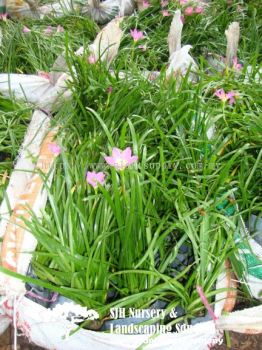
[241, 341]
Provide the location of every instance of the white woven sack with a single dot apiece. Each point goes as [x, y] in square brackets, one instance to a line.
[24, 166]
[49, 330]
[35, 89]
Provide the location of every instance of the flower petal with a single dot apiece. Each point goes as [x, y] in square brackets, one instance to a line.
[127, 153]
[230, 94]
[110, 161]
[133, 159]
[116, 152]
[94, 178]
[100, 177]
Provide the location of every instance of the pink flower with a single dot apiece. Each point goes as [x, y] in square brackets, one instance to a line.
[26, 30]
[94, 178]
[164, 3]
[3, 17]
[136, 34]
[146, 4]
[60, 29]
[44, 75]
[109, 89]
[236, 65]
[223, 96]
[183, 2]
[189, 11]
[231, 97]
[199, 9]
[165, 13]
[48, 30]
[54, 148]
[91, 59]
[121, 159]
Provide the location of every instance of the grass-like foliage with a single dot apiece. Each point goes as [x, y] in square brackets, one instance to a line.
[120, 240]
[14, 119]
[30, 52]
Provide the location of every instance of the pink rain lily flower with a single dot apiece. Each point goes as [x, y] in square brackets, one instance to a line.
[26, 30]
[146, 4]
[48, 30]
[183, 2]
[199, 9]
[236, 65]
[91, 59]
[60, 29]
[94, 178]
[223, 96]
[44, 75]
[189, 11]
[231, 97]
[109, 89]
[121, 159]
[136, 34]
[165, 13]
[54, 148]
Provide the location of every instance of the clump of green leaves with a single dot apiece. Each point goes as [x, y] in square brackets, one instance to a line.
[14, 119]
